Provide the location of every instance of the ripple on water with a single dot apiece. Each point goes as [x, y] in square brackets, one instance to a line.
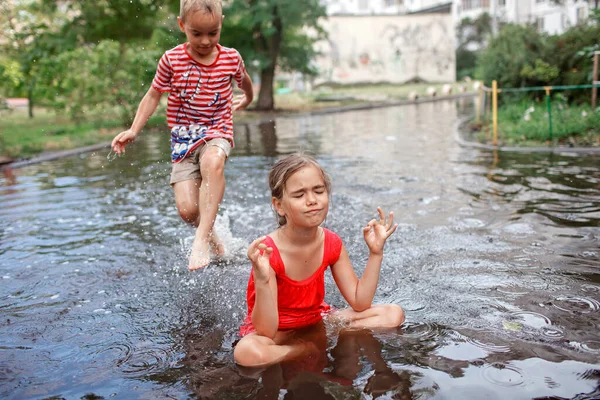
[591, 346]
[146, 361]
[513, 289]
[504, 375]
[519, 229]
[536, 249]
[488, 347]
[420, 330]
[588, 288]
[526, 262]
[576, 304]
[532, 322]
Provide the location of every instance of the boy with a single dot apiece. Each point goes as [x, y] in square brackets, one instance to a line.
[199, 77]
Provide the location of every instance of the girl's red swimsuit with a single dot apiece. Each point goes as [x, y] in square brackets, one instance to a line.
[301, 303]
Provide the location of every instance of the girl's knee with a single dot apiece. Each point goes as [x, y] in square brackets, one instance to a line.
[395, 315]
[247, 353]
[390, 315]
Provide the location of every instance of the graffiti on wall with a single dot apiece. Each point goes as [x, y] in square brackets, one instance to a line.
[393, 49]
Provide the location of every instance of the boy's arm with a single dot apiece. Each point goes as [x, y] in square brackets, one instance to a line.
[244, 101]
[144, 112]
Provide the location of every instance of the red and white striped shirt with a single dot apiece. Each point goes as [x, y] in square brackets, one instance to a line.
[200, 94]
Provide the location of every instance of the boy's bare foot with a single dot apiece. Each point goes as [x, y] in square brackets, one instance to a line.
[200, 255]
[217, 248]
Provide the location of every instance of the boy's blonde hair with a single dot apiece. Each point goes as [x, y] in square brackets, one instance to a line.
[188, 7]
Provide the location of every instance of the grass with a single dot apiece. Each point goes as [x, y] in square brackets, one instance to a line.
[527, 123]
[22, 137]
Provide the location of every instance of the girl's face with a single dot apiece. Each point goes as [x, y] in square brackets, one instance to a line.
[305, 201]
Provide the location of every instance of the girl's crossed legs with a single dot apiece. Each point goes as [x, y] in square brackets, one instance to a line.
[254, 350]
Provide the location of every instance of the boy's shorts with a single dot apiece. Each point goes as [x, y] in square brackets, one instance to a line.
[189, 167]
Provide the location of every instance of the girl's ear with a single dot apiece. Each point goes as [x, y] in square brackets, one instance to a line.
[277, 206]
[180, 22]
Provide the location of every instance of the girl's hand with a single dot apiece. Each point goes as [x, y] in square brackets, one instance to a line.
[259, 254]
[240, 102]
[377, 232]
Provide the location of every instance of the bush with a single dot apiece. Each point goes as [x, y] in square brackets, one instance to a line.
[508, 54]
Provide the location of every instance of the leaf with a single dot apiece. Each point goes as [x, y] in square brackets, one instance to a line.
[512, 326]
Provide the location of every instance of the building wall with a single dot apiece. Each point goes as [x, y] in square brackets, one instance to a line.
[399, 48]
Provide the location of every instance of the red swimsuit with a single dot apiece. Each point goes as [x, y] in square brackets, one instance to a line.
[300, 303]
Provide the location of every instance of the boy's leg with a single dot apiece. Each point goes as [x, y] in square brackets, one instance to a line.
[378, 316]
[212, 188]
[187, 198]
[187, 194]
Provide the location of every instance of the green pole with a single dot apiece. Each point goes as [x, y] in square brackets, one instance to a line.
[549, 105]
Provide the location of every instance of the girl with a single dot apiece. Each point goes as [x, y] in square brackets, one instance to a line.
[287, 283]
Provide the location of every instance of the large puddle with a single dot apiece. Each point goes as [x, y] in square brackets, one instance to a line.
[496, 262]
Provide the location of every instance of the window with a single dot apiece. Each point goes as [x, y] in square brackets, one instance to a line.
[474, 4]
[540, 24]
[580, 14]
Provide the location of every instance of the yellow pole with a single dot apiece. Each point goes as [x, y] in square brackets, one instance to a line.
[495, 111]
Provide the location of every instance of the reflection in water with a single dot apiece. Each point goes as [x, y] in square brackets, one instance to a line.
[495, 262]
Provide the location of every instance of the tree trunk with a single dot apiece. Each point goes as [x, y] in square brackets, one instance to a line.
[266, 101]
[271, 46]
[30, 100]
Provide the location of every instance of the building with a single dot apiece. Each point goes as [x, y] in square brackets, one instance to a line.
[545, 14]
[548, 16]
[377, 7]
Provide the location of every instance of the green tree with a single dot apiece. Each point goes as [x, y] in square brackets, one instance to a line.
[274, 33]
[30, 36]
[472, 35]
[512, 50]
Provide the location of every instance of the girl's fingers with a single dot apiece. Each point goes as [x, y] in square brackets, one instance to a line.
[381, 216]
[391, 220]
[254, 246]
[391, 230]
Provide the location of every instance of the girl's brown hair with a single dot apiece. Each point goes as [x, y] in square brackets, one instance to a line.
[286, 167]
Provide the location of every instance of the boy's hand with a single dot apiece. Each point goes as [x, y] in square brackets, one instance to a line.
[377, 232]
[259, 254]
[122, 140]
[240, 102]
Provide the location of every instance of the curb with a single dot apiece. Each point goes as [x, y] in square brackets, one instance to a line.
[55, 155]
[557, 150]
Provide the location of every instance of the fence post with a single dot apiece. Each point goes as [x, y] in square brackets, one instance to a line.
[495, 111]
[549, 106]
[595, 80]
[479, 105]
